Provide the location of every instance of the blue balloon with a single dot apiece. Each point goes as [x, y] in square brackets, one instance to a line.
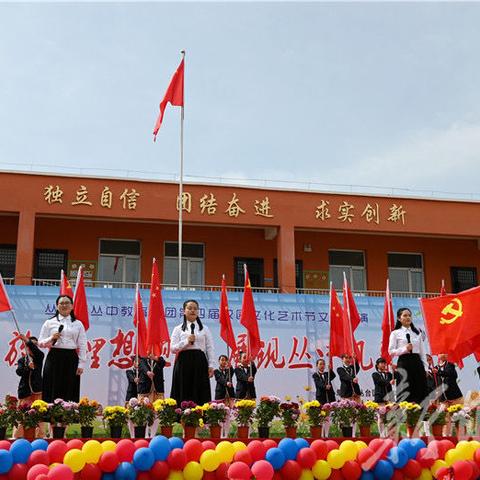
[417, 443]
[176, 442]
[160, 447]
[143, 459]
[383, 470]
[125, 471]
[6, 461]
[39, 444]
[302, 443]
[407, 445]
[367, 476]
[398, 457]
[108, 476]
[276, 458]
[21, 450]
[289, 448]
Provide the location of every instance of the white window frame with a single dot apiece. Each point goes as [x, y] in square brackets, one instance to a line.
[348, 269]
[185, 281]
[124, 272]
[409, 270]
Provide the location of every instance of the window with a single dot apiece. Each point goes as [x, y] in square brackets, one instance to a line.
[405, 272]
[352, 263]
[193, 264]
[463, 278]
[255, 271]
[119, 261]
[49, 263]
[8, 257]
[298, 273]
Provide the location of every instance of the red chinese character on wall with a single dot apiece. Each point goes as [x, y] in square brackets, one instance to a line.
[300, 360]
[94, 347]
[121, 356]
[17, 348]
[270, 354]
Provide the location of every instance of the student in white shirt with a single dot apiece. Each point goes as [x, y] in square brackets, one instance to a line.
[65, 336]
[195, 360]
[406, 343]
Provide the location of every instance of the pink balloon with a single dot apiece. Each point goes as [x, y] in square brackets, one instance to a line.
[239, 471]
[74, 443]
[262, 470]
[37, 470]
[5, 445]
[331, 445]
[208, 445]
[60, 472]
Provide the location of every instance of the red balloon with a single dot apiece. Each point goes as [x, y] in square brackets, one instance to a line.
[140, 443]
[262, 470]
[412, 469]
[37, 470]
[38, 456]
[239, 471]
[208, 445]
[307, 458]
[426, 457]
[108, 461]
[336, 475]
[221, 471]
[447, 445]
[125, 450]
[443, 472]
[143, 476]
[243, 456]
[269, 443]
[367, 458]
[5, 445]
[331, 445]
[381, 446]
[209, 476]
[160, 470]
[351, 470]
[320, 448]
[476, 469]
[291, 470]
[476, 456]
[91, 472]
[462, 470]
[177, 459]
[74, 443]
[42, 476]
[18, 472]
[57, 450]
[193, 449]
[60, 472]
[398, 475]
[257, 450]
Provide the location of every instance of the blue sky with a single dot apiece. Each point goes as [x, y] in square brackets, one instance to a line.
[383, 94]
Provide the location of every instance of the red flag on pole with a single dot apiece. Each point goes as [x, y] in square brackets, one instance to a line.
[157, 329]
[351, 320]
[248, 318]
[174, 95]
[388, 324]
[5, 305]
[443, 292]
[226, 330]
[80, 305]
[140, 325]
[65, 287]
[336, 345]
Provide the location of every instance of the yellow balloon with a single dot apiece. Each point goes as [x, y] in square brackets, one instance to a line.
[349, 450]
[321, 470]
[193, 471]
[425, 475]
[238, 445]
[225, 451]
[453, 456]
[175, 475]
[209, 460]
[436, 466]
[336, 459]
[109, 446]
[466, 450]
[92, 450]
[306, 475]
[475, 444]
[74, 459]
[360, 444]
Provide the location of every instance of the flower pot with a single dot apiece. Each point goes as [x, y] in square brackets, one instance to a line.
[188, 432]
[437, 430]
[86, 432]
[3, 433]
[167, 431]
[410, 430]
[215, 431]
[365, 430]
[242, 431]
[116, 431]
[58, 431]
[461, 430]
[291, 432]
[140, 431]
[347, 431]
[29, 433]
[316, 431]
[263, 432]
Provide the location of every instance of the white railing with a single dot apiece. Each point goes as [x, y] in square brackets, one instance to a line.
[9, 280]
[370, 293]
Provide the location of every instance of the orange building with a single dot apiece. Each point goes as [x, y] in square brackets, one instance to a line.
[290, 240]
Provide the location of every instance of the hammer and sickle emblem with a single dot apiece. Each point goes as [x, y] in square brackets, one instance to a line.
[452, 312]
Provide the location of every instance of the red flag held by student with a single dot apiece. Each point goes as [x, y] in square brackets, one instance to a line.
[65, 287]
[248, 318]
[336, 347]
[226, 330]
[157, 329]
[140, 325]
[80, 305]
[5, 304]
[388, 325]
[349, 301]
[443, 292]
[174, 95]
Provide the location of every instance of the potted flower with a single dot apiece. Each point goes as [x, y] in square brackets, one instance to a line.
[87, 411]
[411, 412]
[166, 414]
[390, 417]
[29, 416]
[344, 414]
[266, 411]
[367, 414]
[289, 413]
[460, 416]
[7, 415]
[215, 414]
[60, 414]
[437, 418]
[244, 415]
[316, 417]
[191, 418]
[141, 413]
[116, 417]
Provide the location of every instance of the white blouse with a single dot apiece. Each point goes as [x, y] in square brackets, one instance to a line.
[398, 343]
[72, 337]
[203, 341]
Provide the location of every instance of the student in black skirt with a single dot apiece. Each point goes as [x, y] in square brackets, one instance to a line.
[65, 336]
[325, 393]
[224, 376]
[245, 373]
[195, 360]
[406, 343]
